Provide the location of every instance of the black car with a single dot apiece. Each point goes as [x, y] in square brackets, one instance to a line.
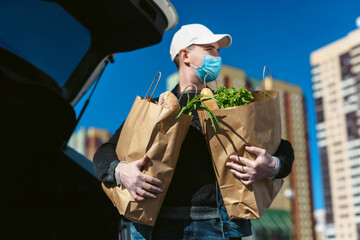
[51, 52]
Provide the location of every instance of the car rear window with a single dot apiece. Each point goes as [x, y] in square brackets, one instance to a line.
[45, 35]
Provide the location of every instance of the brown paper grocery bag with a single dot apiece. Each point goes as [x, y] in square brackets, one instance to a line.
[155, 131]
[258, 124]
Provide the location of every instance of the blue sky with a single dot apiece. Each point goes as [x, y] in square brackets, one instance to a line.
[280, 34]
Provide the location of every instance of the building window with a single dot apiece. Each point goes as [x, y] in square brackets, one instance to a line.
[345, 64]
[351, 125]
[227, 82]
[320, 116]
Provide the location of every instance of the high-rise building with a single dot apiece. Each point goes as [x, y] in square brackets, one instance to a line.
[291, 213]
[319, 215]
[78, 141]
[87, 141]
[336, 84]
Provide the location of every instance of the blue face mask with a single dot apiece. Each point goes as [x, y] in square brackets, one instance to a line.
[211, 65]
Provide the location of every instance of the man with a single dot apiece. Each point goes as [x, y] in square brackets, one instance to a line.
[193, 206]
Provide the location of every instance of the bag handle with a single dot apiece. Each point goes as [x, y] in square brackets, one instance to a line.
[266, 68]
[186, 88]
[205, 80]
[146, 95]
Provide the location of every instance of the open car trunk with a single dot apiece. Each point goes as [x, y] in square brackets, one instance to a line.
[51, 52]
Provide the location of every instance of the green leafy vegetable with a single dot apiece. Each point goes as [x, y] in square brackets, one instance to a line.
[232, 97]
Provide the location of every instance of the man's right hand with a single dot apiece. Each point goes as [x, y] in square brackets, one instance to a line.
[139, 185]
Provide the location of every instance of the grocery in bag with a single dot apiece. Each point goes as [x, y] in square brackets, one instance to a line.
[257, 123]
[154, 130]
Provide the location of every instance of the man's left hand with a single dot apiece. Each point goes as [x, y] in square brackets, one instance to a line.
[249, 171]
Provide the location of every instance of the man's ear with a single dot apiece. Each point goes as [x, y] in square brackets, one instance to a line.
[183, 56]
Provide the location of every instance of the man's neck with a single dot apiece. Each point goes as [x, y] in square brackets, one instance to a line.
[187, 80]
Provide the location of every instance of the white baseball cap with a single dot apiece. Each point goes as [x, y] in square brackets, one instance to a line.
[196, 34]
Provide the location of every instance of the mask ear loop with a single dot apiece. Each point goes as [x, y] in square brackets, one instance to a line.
[186, 88]
[146, 95]
[213, 77]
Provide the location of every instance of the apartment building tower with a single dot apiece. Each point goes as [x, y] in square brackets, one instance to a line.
[336, 90]
[87, 141]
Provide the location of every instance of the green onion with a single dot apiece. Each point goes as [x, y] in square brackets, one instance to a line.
[267, 94]
[194, 103]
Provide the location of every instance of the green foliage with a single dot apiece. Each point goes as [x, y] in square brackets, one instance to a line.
[232, 97]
